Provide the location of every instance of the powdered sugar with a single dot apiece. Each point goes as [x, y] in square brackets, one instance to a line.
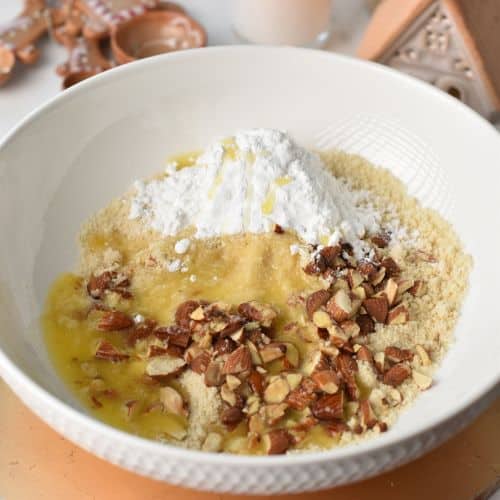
[251, 182]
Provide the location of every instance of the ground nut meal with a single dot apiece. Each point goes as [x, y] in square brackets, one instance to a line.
[258, 298]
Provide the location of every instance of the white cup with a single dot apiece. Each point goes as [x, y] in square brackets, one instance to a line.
[283, 22]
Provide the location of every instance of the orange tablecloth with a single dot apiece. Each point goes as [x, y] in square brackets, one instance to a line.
[37, 463]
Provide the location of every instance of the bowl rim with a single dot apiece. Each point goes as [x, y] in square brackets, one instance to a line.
[10, 371]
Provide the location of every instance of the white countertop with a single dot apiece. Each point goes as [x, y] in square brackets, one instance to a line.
[33, 85]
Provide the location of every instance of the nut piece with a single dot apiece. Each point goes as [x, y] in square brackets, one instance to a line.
[292, 356]
[198, 314]
[350, 328]
[200, 363]
[397, 374]
[228, 395]
[368, 417]
[302, 396]
[277, 441]
[273, 351]
[366, 324]
[379, 358]
[161, 366]
[238, 361]
[397, 355]
[232, 416]
[106, 350]
[321, 319]
[316, 300]
[213, 375]
[232, 382]
[354, 278]
[315, 361]
[398, 315]
[423, 355]
[183, 312]
[254, 311]
[172, 401]
[293, 379]
[212, 443]
[391, 268]
[256, 382]
[115, 320]
[340, 306]
[391, 291]
[327, 381]
[423, 381]
[364, 354]
[377, 308]
[276, 391]
[274, 413]
[329, 407]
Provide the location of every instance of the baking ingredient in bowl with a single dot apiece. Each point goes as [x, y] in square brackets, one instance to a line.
[257, 179]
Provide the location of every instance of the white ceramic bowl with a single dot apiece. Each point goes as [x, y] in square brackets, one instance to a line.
[74, 154]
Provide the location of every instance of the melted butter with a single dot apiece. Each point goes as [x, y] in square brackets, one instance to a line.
[247, 267]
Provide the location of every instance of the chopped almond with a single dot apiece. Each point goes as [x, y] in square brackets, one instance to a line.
[276, 391]
[398, 315]
[277, 441]
[172, 401]
[327, 381]
[377, 308]
[238, 361]
[397, 355]
[423, 355]
[164, 366]
[329, 407]
[340, 306]
[368, 417]
[423, 381]
[316, 300]
[391, 291]
[106, 350]
[271, 352]
[114, 321]
[397, 374]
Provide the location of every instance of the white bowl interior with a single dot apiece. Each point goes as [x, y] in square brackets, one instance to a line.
[88, 146]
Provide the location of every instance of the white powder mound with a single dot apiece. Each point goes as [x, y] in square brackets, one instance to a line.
[251, 182]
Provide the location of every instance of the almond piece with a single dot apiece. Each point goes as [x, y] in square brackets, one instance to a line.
[162, 366]
[184, 311]
[327, 381]
[228, 395]
[256, 424]
[274, 413]
[232, 416]
[359, 292]
[340, 306]
[256, 382]
[423, 381]
[277, 441]
[354, 278]
[418, 289]
[255, 311]
[238, 361]
[378, 277]
[252, 405]
[350, 328]
[213, 442]
[321, 319]
[213, 375]
[315, 361]
[397, 374]
[348, 367]
[172, 401]
[391, 291]
[368, 417]
[381, 240]
[398, 315]
[292, 356]
[330, 254]
[302, 396]
[396, 355]
[367, 270]
[404, 286]
[276, 391]
[200, 363]
[232, 382]
[316, 300]
[329, 407]
[366, 324]
[271, 352]
[364, 354]
[254, 353]
[294, 380]
[391, 268]
[377, 308]
[107, 351]
[114, 321]
[423, 355]
[198, 314]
